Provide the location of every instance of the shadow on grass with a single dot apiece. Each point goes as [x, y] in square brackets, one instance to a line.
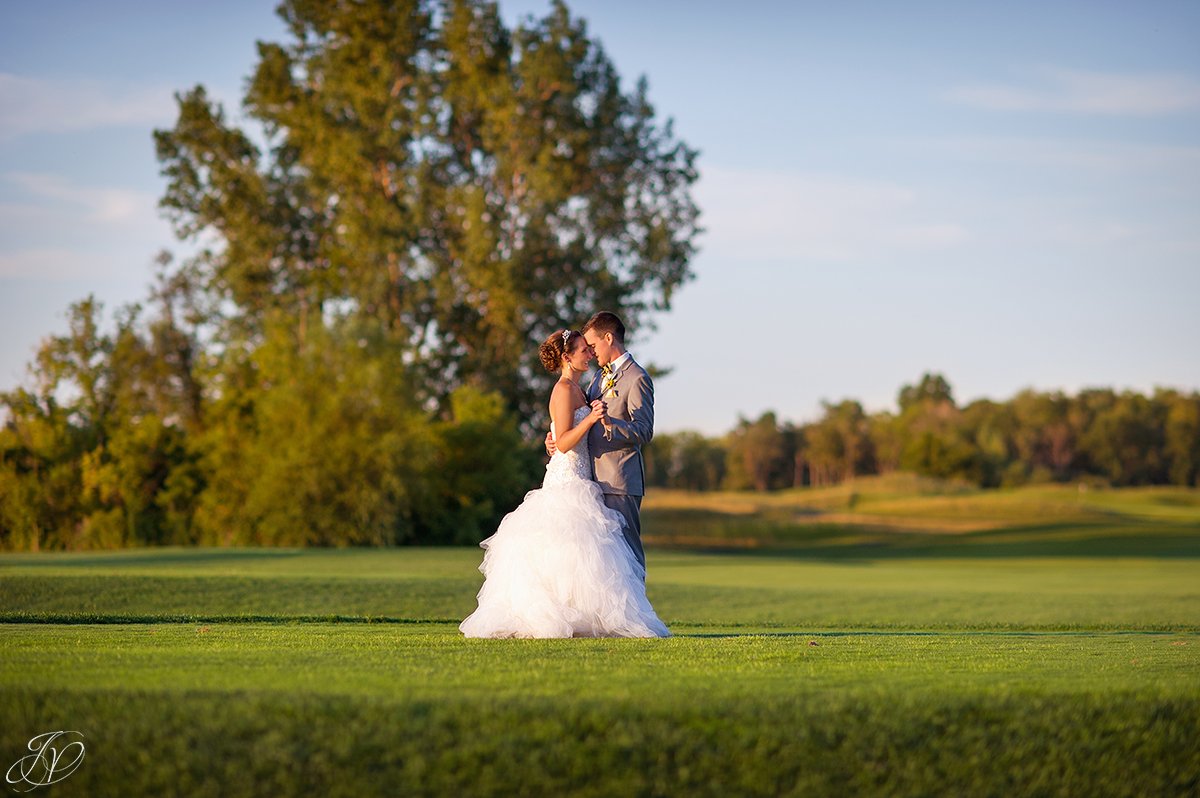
[816, 635]
[86, 618]
[146, 556]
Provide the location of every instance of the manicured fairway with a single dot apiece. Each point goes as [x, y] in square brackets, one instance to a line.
[910, 665]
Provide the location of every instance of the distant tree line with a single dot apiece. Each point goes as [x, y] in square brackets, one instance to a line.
[137, 436]
[1117, 438]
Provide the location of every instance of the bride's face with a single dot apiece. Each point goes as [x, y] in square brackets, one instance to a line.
[581, 354]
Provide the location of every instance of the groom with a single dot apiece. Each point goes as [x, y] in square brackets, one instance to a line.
[616, 443]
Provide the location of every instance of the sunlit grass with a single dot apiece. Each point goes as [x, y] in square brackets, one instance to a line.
[906, 495]
[903, 515]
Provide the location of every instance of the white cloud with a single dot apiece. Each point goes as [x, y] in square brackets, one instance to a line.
[60, 265]
[758, 215]
[55, 229]
[104, 205]
[1077, 91]
[38, 105]
[1116, 157]
[1073, 201]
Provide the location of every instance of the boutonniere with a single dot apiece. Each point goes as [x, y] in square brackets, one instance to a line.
[608, 386]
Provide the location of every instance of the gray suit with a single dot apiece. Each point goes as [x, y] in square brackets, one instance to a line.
[617, 453]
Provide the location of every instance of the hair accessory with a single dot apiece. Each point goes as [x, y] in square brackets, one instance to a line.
[566, 337]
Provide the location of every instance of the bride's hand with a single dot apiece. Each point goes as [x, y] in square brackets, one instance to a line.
[599, 411]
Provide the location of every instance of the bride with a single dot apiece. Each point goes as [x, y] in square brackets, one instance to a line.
[558, 565]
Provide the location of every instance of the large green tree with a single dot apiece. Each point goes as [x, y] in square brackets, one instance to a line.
[464, 186]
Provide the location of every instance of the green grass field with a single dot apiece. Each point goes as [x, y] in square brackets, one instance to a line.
[895, 637]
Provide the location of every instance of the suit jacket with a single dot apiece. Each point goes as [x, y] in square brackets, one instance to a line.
[617, 453]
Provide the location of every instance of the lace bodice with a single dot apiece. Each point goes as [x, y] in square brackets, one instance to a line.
[572, 465]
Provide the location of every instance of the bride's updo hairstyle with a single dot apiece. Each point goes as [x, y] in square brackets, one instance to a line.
[554, 347]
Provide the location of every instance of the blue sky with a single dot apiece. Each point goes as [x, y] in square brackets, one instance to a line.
[1005, 193]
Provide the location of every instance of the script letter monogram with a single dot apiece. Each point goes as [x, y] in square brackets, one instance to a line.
[50, 761]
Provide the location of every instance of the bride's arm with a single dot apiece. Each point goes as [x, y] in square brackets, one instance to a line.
[562, 411]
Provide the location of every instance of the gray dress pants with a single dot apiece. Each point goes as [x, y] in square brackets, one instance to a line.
[631, 508]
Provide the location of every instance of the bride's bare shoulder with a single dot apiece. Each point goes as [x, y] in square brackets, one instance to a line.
[567, 396]
[563, 396]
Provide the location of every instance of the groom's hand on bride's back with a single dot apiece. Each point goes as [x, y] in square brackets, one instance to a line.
[550, 447]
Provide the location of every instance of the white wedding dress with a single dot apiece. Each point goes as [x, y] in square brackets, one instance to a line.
[558, 565]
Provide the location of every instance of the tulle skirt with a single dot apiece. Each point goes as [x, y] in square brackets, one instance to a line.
[558, 566]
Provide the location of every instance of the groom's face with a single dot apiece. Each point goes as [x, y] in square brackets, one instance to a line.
[601, 346]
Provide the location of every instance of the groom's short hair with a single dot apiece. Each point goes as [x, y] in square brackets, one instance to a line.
[607, 322]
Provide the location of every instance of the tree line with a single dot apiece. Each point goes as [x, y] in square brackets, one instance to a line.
[1100, 435]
